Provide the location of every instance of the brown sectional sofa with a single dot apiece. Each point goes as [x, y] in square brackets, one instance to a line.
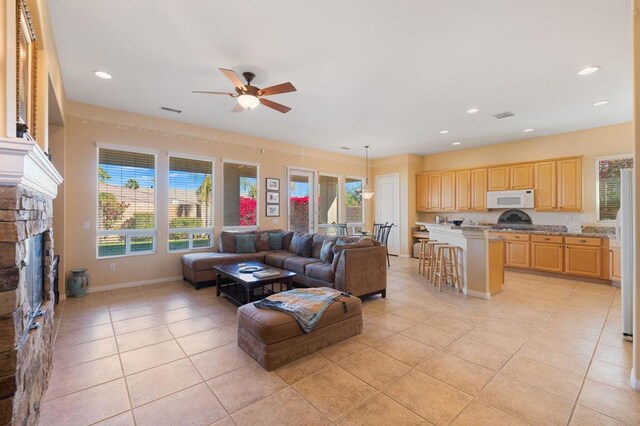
[359, 265]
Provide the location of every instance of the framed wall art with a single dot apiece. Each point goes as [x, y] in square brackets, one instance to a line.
[273, 184]
[26, 74]
[273, 210]
[273, 197]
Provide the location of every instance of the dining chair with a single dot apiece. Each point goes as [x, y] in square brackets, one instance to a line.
[341, 229]
[375, 231]
[385, 230]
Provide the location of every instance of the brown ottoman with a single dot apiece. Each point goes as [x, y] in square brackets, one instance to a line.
[274, 338]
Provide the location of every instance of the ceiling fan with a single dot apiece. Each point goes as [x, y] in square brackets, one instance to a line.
[249, 96]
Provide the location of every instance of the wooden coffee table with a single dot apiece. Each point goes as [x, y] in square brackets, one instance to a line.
[242, 288]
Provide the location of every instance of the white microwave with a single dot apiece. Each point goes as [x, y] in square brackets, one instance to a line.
[520, 199]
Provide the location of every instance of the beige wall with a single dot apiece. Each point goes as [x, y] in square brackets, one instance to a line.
[87, 125]
[591, 143]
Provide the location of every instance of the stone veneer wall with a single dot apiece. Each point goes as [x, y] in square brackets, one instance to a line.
[25, 358]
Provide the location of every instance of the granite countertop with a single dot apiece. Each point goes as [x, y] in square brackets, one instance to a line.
[554, 230]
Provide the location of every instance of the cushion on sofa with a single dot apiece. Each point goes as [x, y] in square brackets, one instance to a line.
[206, 261]
[262, 241]
[316, 245]
[297, 264]
[344, 239]
[277, 258]
[275, 240]
[301, 244]
[320, 271]
[286, 239]
[326, 252]
[245, 243]
[227, 241]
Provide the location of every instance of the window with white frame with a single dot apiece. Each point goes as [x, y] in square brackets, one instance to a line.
[608, 185]
[190, 203]
[126, 202]
[354, 204]
[328, 200]
[240, 195]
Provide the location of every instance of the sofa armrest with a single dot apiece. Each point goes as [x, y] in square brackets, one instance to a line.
[362, 271]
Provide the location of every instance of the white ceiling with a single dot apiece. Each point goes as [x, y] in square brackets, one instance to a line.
[387, 73]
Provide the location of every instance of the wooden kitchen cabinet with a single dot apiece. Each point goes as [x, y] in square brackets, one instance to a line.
[569, 184]
[479, 189]
[448, 202]
[521, 176]
[517, 254]
[583, 260]
[463, 190]
[547, 256]
[545, 186]
[615, 269]
[434, 192]
[498, 178]
[422, 193]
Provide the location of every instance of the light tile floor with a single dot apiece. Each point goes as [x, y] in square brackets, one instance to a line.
[544, 351]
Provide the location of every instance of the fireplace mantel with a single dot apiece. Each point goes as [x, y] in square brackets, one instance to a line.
[22, 162]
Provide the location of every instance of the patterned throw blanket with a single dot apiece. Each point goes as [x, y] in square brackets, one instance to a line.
[306, 305]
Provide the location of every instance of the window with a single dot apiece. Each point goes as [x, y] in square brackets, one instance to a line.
[126, 203]
[355, 206]
[190, 203]
[609, 185]
[328, 200]
[240, 191]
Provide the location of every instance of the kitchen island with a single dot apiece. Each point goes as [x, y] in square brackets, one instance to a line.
[477, 272]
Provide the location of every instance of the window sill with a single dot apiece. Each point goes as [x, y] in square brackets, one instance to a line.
[146, 253]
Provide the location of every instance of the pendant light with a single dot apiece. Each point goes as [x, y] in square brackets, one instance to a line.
[367, 191]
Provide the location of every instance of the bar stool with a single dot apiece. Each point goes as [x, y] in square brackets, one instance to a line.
[446, 269]
[431, 258]
[422, 255]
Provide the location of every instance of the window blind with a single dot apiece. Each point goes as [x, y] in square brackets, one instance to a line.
[190, 193]
[126, 202]
[609, 186]
[240, 195]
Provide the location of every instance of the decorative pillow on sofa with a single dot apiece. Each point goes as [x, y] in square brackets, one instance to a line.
[301, 244]
[262, 241]
[286, 239]
[245, 243]
[326, 254]
[275, 240]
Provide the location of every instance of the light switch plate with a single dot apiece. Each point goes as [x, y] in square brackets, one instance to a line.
[275, 221]
[112, 266]
[85, 225]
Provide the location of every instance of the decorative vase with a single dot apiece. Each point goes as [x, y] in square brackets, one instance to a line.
[78, 282]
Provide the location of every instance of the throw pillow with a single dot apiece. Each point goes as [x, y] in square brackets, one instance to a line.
[262, 241]
[275, 240]
[301, 244]
[245, 243]
[326, 254]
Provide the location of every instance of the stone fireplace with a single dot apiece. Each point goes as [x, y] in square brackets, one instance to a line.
[28, 185]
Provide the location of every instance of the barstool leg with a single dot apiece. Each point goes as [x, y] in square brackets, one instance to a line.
[456, 271]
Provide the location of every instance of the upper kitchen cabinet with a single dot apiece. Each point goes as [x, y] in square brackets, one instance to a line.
[463, 190]
[434, 192]
[448, 201]
[422, 192]
[498, 178]
[479, 189]
[545, 186]
[521, 176]
[569, 185]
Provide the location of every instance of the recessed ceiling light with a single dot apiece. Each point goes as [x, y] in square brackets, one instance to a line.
[472, 110]
[103, 74]
[528, 130]
[346, 148]
[588, 70]
[444, 132]
[456, 143]
[600, 103]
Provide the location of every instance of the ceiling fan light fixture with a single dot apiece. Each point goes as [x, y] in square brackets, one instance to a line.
[248, 101]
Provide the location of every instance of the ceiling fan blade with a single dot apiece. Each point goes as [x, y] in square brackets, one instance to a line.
[278, 107]
[280, 88]
[231, 75]
[213, 93]
[237, 108]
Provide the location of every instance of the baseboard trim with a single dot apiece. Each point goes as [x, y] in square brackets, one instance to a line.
[478, 294]
[132, 284]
